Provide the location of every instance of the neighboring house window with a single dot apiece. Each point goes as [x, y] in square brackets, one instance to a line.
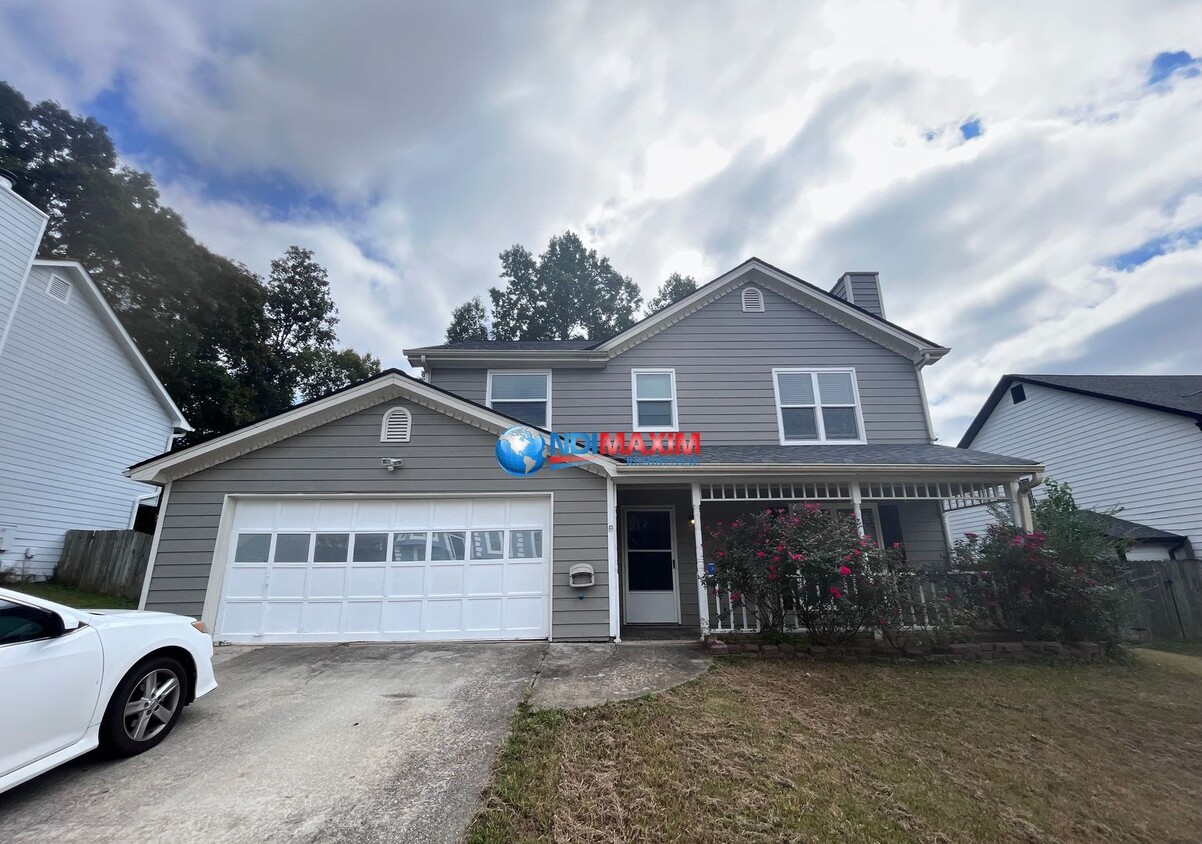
[753, 300]
[818, 406]
[653, 396]
[59, 287]
[523, 395]
[397, 426]
[1017, 393]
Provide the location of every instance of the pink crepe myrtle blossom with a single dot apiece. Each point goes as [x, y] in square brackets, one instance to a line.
[836, 592]
[844, 570]
[760, 554]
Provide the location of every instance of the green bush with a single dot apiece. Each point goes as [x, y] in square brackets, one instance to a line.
[809, 568]
[1061, 581]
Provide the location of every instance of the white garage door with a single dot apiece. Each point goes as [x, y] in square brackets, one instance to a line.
[352, 570]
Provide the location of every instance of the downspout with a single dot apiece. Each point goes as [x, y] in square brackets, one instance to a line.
[425, 370]
[925, 360]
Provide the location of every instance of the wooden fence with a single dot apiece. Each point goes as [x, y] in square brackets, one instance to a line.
[1166, 598]
[111, 562]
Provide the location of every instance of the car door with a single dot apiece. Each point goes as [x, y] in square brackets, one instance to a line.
[49, 683]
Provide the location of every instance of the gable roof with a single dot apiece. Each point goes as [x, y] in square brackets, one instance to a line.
[110, 320]
[809, 296]
[1122, 529]
[1178, 394]
[388, 385]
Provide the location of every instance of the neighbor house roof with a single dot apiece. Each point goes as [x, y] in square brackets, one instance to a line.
[1123, 529]
[823, 302]
[1179, 394]
[113, 323]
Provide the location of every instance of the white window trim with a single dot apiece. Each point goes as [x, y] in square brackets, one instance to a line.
[546, 372]
[50, 284]
[814, 371]
[634, 399]
[388, 414]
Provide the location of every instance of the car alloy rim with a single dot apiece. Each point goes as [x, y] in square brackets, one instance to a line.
[151, 705]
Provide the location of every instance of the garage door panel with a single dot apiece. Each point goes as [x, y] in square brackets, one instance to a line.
[406, 582]
[443, 616]
[365, 582]
[483, 615]
[287, 582]
[486, 579]
[314, 570]
[327, 582]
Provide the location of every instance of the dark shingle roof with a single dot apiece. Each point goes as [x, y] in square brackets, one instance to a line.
[520, 345]
[1181, 394]
[1123, 529]
[918, 454]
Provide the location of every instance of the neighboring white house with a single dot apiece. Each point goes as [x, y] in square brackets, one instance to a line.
[1120, 441]
[78, 402]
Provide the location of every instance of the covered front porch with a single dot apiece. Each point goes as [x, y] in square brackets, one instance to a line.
[661, 528]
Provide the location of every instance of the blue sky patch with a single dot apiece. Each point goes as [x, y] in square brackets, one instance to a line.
[1166, 64]
[971, 129]
[1148, 250]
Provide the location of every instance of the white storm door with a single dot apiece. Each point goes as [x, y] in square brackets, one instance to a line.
[650, 581]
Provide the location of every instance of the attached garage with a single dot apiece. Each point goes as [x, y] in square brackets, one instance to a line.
[331, 523]
[311, 569]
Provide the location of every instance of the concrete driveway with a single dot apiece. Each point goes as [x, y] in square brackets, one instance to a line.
[324, 743]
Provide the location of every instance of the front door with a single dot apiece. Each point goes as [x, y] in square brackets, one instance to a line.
[650, 580]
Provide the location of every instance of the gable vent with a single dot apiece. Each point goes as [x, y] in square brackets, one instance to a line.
[753, 300]
[398, 423]
[59, 287]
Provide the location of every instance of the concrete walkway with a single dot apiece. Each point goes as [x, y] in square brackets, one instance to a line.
[574, 675]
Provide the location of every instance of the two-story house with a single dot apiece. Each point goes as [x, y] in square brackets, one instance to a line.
[1126, 443]
[78, 402]
[381, 512]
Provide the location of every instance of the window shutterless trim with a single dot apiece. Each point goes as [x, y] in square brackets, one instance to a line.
[634, 399]
[547, 401]
[818, 405]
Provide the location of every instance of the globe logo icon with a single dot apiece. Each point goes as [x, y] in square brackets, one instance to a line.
[521, 451]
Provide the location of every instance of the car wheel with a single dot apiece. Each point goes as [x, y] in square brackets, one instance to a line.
[144, 708]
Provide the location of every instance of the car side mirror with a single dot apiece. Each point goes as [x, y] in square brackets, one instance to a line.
[58, 624]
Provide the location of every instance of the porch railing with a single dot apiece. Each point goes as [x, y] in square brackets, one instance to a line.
[928, 602]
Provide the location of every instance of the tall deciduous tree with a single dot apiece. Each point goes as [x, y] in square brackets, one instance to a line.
[201, 320]
[468, 322]
[568, 292]
[675, 287]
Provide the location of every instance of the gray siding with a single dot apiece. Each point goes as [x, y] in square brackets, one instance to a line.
[444, 456]
[21, 227]
[75, 412]
[723, 360]
[866, 292]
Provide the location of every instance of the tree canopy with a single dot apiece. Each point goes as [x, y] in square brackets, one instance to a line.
[229, 347]
[568, 292]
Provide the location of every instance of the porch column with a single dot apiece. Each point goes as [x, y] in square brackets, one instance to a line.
[611, 542]
[1018, 511]
[855, 506]
[703, 602]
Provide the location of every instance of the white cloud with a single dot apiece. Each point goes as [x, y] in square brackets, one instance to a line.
[678, 138]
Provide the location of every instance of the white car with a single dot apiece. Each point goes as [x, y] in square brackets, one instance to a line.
[73, 680]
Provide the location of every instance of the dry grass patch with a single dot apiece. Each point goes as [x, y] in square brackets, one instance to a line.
[765, 751]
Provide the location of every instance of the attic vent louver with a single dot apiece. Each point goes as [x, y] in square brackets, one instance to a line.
[59, 288]
[397, 425]
[753, 300]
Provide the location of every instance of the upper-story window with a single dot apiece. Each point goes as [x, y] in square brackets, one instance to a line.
[653, 396]
[818, 406]
[524, 395]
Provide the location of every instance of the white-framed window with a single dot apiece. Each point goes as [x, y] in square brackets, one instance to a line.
[524, 394]
[753, 300]
[868, 513]
[818, 406]
[653, 399]
[397, 426]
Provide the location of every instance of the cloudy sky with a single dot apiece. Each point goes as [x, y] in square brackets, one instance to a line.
[1027, 177]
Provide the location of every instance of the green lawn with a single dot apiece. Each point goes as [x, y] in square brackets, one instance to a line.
[766, 751]
[73, 597]
[1190, 647]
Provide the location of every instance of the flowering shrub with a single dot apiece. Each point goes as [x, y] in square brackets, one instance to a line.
[1062, 581]
[809, 568]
